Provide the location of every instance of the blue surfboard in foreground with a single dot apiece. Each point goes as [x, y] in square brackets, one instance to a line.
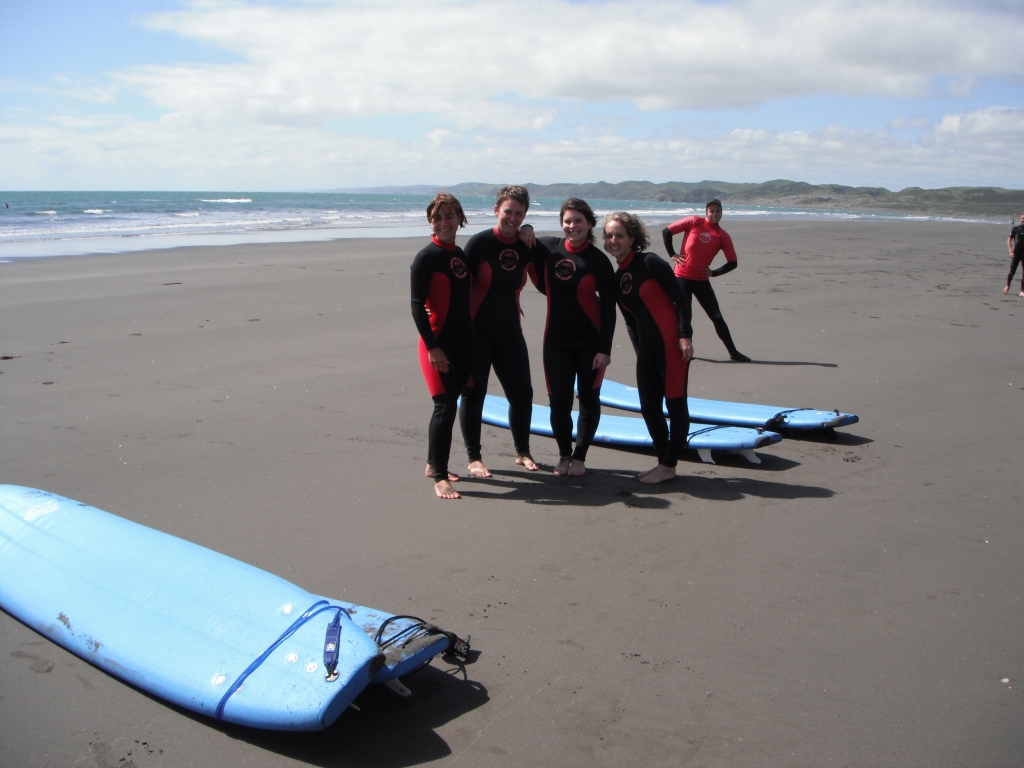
[189, 625]
[737, 414]
[627, 430]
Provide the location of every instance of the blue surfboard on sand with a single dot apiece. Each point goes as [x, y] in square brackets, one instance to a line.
[627, 430]
[737, 414]
[190, 625]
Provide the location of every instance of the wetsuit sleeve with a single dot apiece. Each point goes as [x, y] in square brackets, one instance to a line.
[535, 270]
[630, 322]
[422, 271]
[659, 269]
[729, 266]
[666, 236]
[606, 293]
[550, 242]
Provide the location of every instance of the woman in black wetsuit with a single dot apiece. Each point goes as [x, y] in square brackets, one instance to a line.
[500, 264]
[441, 310]
[579, 283]
[657, 318]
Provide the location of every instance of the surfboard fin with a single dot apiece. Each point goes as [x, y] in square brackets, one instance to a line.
[396, 686]
[705, 455]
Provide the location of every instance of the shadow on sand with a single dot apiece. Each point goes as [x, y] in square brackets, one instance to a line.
[387, 731]
[767, 362]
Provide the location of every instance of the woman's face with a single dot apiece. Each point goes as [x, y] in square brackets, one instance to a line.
[617, 241]
[510, 215]
[575, 226]
[444, 224]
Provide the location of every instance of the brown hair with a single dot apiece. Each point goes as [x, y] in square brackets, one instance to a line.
[513, 192]
[580, 206]
[634, 228]
[446, 198]
[714, 201]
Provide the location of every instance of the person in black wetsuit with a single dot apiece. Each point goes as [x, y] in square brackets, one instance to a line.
[580, 286]
[441, 284]
[658, 321]
[500, 264]
[1015, 244]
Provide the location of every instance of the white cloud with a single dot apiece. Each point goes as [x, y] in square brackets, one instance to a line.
[320, 61]
[488, 90]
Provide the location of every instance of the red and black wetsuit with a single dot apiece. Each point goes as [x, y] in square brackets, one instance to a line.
[441, 284]
[580, 286]
[500, 270]
[657, 317]
[701, 243]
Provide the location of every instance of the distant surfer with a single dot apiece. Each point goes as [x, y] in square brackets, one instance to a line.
[441, 310]
[500, 263]
[1015, 244]
[702, 240]
[580, 285]
[657, 319]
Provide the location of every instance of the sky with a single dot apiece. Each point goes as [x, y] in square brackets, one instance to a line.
[316, 94]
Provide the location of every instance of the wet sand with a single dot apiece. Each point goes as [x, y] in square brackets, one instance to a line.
[848, 602]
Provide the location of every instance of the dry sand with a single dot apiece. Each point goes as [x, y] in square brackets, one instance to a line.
[854, 602]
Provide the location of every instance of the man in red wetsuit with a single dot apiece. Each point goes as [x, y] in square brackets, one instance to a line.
[702, 240]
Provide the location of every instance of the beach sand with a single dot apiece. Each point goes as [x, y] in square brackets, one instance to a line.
[847, 602]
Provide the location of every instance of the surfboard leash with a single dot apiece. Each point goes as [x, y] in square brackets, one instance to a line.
[330, 648]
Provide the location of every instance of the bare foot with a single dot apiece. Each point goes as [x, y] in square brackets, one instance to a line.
[659, 474]
[526, 460]
[646, 472]
[477, 469]
[1006, 290]
[452, 477]
[563, 465]
[444, 490]
[577, 468]
[1021, 293]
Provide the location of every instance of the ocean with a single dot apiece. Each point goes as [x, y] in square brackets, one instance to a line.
[71, 223]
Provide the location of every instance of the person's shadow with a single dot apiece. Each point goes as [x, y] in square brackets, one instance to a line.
[767, 362]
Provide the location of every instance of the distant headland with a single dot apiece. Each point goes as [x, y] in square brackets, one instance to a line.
[991, 201]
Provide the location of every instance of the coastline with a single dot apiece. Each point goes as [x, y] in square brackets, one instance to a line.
[856, 598]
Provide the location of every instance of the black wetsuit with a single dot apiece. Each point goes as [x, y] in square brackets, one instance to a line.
[657, 317]
[499, 272]
[580, 287]
[441, 284]
[1017, 238]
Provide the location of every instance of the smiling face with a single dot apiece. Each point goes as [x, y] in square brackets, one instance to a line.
[617, 241]
[714, 214]
[444, 224]
[576, 227]
[510, 215]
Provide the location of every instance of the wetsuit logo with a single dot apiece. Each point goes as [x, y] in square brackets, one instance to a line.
[626, 283]
[705, 237]
[508, 259]
[565, 269]
[458, 267]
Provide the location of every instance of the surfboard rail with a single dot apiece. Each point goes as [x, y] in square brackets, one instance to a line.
[751, 415]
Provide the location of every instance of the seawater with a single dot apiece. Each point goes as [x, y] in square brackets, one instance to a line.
[69, 223]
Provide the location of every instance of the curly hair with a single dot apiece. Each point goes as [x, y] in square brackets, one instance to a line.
[634, 228]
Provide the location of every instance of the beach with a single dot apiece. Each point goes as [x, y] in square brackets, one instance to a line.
[854, 602]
